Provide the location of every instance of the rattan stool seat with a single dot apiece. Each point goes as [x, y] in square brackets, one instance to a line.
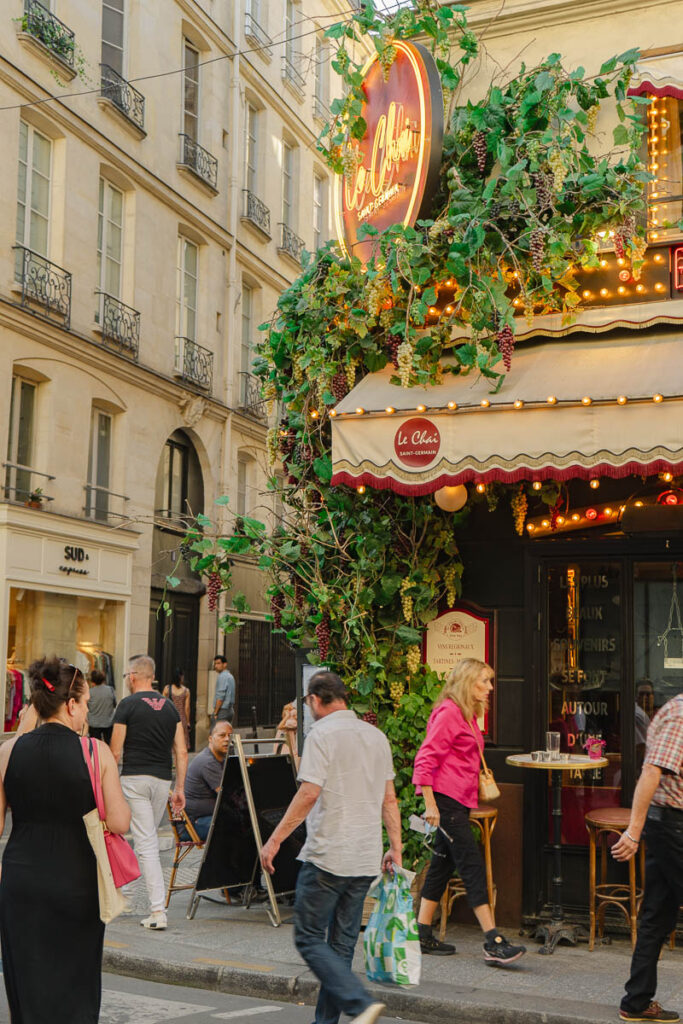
[625, 896]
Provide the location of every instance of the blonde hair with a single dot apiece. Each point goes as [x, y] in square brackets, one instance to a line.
[459, 684]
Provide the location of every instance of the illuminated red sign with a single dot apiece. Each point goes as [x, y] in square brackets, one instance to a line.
[417, 442]
[400, 153]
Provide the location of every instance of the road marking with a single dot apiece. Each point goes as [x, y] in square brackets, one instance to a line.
[248, 1011]
[123, 1007]
[232, 963]
[115, 945]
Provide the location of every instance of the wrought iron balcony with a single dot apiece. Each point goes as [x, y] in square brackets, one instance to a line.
[292, 75]
[198, 160]
[46, 27]
[120, 325]
[193, 363]
[290, 243]
[98, 503]
[321, 112]
[253, 31]
[19, 484]
[121, 93]
[251, 399]
[45, 287]
[256, 212]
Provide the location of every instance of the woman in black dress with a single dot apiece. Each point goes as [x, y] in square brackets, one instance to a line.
[50, 927]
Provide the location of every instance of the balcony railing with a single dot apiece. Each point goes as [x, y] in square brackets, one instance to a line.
[19, 484]
[251, 400]
[45, 287]
[290, 243]
[46, 27]
[120, 325]
[198, 160]
[193, 363]
[253, 31]
[121, 93]
[321, 112]
[98, 501]
[292, 75]
[256, 212]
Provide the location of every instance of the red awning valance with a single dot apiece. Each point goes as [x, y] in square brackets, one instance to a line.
[658, 76]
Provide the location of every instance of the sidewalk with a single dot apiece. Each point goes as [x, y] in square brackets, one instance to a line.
[231, 949]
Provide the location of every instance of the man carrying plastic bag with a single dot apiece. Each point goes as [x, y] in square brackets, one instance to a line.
[392, 942]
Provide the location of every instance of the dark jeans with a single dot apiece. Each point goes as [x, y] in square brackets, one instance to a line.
[100, 733]
[662, 897]
[202, 825]
[327, 914]
[226, 713]
[461, 853]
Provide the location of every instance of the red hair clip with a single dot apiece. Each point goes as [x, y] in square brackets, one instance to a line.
[48, 684]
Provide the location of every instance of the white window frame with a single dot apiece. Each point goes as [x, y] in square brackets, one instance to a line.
[288, 171]
[251, 147]
[182, 306]
[122, 47]
[17, 478]
[319, 210]
[187, 45]
[242, 489]
[105, 223]
[98, 500]
[290, 25]
[321, 77]
[25, 239]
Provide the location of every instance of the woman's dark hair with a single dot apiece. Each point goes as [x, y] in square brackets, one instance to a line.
[97, 678]
[178, 677]
[328, 687]
[53, 682]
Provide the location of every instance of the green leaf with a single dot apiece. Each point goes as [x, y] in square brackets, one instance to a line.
[173, 581]
[223, 500]
[620, 135]
[203, 520]
[323, 468]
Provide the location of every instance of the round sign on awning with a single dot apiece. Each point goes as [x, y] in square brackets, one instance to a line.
[400, 153]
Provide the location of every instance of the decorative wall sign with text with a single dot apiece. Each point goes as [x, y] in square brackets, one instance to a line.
[400, 153]
[417, 442]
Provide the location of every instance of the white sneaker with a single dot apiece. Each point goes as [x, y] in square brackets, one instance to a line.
[369, 1014]
[156, 921]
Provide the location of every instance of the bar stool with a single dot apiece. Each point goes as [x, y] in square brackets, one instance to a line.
[485, 820]
[600, 822]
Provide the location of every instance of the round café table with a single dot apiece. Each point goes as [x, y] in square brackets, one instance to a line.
[557, 928]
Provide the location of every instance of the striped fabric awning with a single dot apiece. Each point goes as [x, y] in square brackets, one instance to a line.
[658, 76]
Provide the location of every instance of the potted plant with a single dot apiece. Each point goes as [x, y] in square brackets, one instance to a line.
[35, 498]
[594, 747]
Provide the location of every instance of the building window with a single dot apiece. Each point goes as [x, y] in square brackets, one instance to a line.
[188, 282]
[247, 337]
[287, 184]
[175, 466]
[33, 193]
[190, 91]
[319, 211]
[99, 466]
[251, 148]
[290, 28]
[112, 34]
[109, 239]
[665, 162]
[242, 487]
[20, 442]
[321, 76]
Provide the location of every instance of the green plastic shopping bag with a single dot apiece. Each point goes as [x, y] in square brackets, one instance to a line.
[392, 943]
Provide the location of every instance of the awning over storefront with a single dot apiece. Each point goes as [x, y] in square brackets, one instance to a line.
[658, 76]
[574, 408]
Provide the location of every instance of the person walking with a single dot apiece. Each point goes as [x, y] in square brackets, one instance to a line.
[147, 732]
[446, 773]
[50, 926]
[179, 693]
[656, 814]
[224, 701]
[101, 707]
[346, 792]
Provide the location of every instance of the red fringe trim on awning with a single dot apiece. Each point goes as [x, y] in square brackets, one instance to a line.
[650, 89]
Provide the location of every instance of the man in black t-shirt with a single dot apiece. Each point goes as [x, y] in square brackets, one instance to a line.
[147, 732]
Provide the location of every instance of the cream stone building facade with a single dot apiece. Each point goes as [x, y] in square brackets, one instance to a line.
[160, 182]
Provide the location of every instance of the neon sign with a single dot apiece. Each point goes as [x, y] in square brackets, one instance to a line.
[400, 154]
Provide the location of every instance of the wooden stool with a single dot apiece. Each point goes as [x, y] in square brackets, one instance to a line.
[600, 822]
[485, 820]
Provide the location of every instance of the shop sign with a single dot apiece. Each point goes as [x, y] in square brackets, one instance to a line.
[465, 631]
[417, 442]
[75, 557]
[400, 153]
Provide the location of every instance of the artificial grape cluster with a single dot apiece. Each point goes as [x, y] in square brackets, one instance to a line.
[529, 315]
[287, 442]
[592, 114]
[213, 590]
[338, 385]
[557, 166]
[343, 58]
[543, 183]
[555, 511]
[537, 246]
[449, 578]
[303, 454]
[386, 59]
[405, 362]
[406, 600]
[519, 503]
[370, 717]
[638, 249]
[506, 345]
[351, 372]
[479, 146]
[351, 158]
[393, 345]
[396, 691]
[322, 634]
[619, 250]
[272, 444]
[277, 603]
[375, 296]
[413, 659]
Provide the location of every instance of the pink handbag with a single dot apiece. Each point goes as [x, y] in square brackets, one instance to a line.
[123, 862]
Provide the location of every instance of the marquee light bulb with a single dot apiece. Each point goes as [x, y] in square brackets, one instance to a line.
[485, 403]
[530, 527]
[667, 477]
[594, 483]
[575, 517]
[591, 513]
[560, 520]
[361, 489]
[452, 405]
[586, 400]
[422, 408]
[608, 511]
[389, 410]
[333, 412]
[518, 403]
[537, 485]
[481, 488]
[545, 523]
[360, 410]
[622, 400]
[638, 504]
[552, 400]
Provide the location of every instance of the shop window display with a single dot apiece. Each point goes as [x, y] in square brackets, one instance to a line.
[85, 631]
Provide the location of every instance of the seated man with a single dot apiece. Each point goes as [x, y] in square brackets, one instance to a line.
[204, 776]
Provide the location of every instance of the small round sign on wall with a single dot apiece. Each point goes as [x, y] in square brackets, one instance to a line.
[417, 442]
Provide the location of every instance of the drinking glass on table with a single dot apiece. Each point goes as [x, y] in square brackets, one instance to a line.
[552, 745]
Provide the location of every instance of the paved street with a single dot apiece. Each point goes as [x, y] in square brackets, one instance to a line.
[129, 1001]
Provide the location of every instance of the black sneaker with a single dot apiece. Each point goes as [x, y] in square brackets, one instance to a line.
[501, 952]
[654, 1012]
[431, 945]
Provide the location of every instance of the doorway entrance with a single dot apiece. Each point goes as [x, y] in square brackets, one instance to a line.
[173, 641]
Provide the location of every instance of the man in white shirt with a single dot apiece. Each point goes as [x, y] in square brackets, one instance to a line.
[346, 792]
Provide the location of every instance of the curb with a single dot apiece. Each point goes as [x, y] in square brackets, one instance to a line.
[447, 1004]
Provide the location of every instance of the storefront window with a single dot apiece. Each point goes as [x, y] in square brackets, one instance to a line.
[585, 681]
[86, 631]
